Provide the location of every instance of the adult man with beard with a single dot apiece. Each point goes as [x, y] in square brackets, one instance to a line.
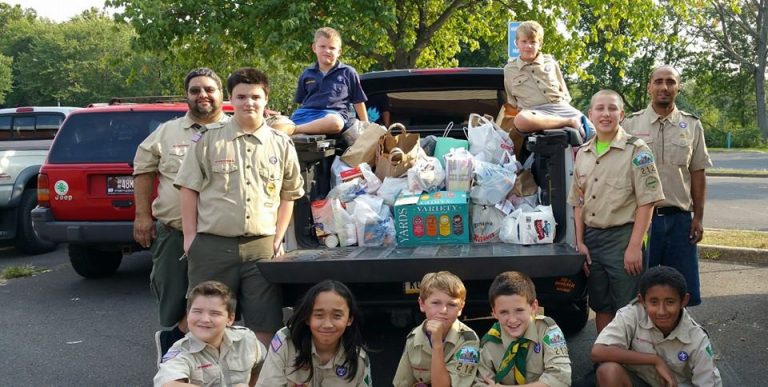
[162, 153]
[676, 139]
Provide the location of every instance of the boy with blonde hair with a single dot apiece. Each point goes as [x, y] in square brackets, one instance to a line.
[442, 351]
[521, 348]
[326, 88]
[536, 88]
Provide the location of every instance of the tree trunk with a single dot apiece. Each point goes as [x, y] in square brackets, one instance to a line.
[762, 119]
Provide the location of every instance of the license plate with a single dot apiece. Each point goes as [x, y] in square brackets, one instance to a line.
[411, 287]
[119, 185]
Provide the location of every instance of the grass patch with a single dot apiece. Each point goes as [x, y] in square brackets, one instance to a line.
[736, 238]
[11, 272]
[740, 172]
[735, 150]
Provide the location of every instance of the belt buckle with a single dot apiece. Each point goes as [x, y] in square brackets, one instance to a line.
[658, 212]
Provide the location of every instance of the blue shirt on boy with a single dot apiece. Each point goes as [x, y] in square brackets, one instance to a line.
[334, 90]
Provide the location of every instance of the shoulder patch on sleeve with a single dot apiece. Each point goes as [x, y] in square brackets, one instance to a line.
[642, 159]
[468, 354]
[278, 340]
[555, 339]
[172, 353]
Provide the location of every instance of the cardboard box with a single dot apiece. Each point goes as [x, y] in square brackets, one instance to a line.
[432, 218]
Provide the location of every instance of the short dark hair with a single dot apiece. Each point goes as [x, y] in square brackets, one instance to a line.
[213, 289]
[247, 75]
[510, 283]
[201, 72]
[663, 276]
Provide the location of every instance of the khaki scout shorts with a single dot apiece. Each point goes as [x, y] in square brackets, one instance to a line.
[610, 287]
[168, 279]
[232, 261]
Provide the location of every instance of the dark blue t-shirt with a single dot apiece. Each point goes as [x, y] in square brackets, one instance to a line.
[334, 90]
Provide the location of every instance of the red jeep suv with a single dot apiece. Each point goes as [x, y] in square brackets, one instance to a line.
[85, 187]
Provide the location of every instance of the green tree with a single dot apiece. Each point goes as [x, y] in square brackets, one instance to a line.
[5, 76]
[739, 30]
[387, 34]
[84, 60]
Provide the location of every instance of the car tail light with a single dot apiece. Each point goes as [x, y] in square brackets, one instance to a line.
[43, 193]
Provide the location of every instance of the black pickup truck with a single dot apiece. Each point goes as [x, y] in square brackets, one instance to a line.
[386, 279]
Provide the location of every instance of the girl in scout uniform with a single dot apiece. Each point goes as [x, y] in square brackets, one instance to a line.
[615, 187]
[322, 345]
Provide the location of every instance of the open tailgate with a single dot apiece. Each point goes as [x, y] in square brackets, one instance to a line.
[396, 264]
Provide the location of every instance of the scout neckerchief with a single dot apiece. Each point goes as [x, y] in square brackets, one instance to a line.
[514, 357]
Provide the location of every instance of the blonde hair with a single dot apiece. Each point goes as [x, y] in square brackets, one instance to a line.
[443, 281]
[608, 92]
[328, 33]
[531, 29]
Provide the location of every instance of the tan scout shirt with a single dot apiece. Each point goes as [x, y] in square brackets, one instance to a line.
[536, 83]
[547, 360]
[686, 350]
[278, 369]
[162, 152]
[461, 357]
[611, 186]
[241, 179]
[239, 355]
[677, 143]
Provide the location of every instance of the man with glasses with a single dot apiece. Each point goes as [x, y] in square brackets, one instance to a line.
[161, 153]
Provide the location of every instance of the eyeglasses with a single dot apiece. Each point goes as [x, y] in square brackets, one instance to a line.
[197, 90]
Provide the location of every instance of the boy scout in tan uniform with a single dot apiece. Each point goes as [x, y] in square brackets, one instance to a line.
[279, 371]
[461, 357]
[239, 356]
[160, 154]
[676, 139]
[548, 348]
[687, 350]
[240, 186]
[535, 85]
[613, 193]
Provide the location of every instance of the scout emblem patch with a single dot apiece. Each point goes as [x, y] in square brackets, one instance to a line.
[197, 136]
[555, 339]
[642, 159]
[273, 160]
[271, 188]
[682, 355]
[683, 125]
[547, 67]
[341, 371]
[709, 350]
[468, 355]
[537, 347]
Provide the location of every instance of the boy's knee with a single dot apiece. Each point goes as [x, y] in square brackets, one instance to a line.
[610, 374]
[523, 121]
[335, 123]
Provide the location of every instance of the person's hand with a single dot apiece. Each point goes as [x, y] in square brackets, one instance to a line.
[664, 373]
[144, 230]
[488, 380]
[188, 243]
[435, 330]
[582, 248]
[277, 247]
[633, 260]
[696, 232]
